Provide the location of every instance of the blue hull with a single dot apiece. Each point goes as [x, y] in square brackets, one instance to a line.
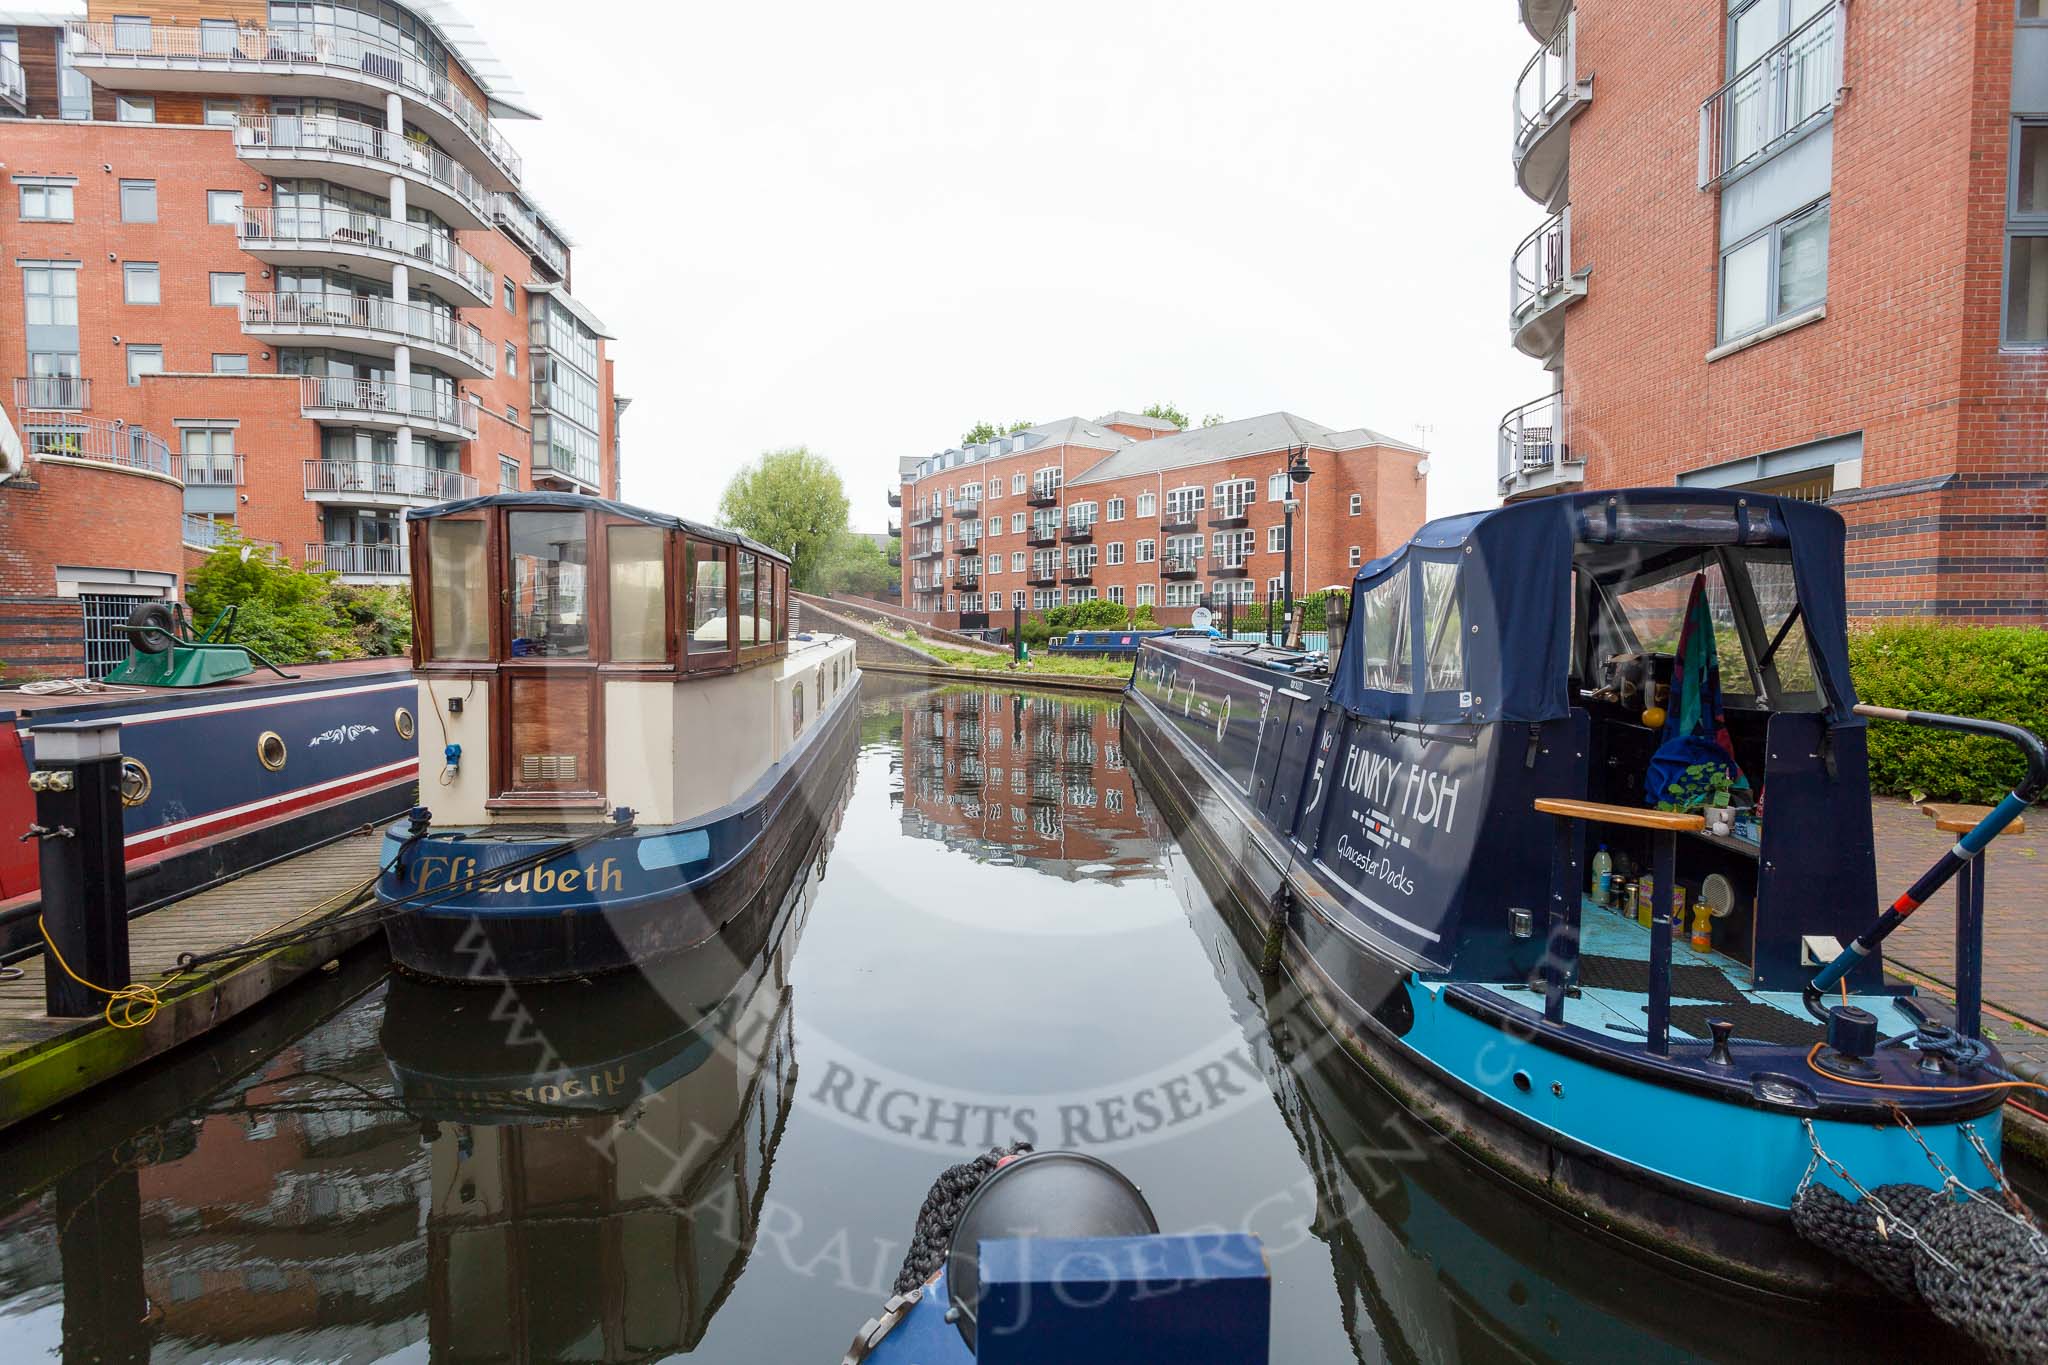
[617, 900]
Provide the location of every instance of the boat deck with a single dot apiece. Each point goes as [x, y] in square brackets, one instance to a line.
[14, 701]
[1614, 990]
[44, 1061]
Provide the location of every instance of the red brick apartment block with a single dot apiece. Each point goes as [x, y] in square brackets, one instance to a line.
[1799, 246]
[1137, 511]
[271, 271]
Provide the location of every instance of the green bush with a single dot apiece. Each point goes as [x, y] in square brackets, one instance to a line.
[294, 615]
[1985, 672]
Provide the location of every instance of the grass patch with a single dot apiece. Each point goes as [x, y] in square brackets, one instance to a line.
[1001, 663]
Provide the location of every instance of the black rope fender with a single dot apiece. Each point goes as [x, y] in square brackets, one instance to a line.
[933, 1236]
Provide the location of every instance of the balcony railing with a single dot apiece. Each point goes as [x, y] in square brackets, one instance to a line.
[298, 45]
[384, 561]
[1178, 519]
[363, 231]
[410, 323]
[1540, 274]
[63, 436]
[214, 471]
[1775, 100]
[1535, 439]
[379, 398]
[581, 467]
[351, 139]
[13, 88]
[1179, 566]
[895, 531]
[1042, 495]
[1079, 534]
[209, 533]
[1547, 93]
[926, 516]
[542, 244]
[1040, 536]
[895, 498]
[52, 393]
[373, 477]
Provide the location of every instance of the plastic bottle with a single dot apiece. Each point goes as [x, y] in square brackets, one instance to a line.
[1703, 928]
[1603, 878]
[1646, 902]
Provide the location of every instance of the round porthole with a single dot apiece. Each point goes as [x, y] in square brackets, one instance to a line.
[402, 718]
[135, 782]
[1522, 1081]
[270, 749]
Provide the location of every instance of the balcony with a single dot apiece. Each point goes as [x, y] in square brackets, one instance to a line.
[356, 154]
[1179, 566]
[1079, 577]
[52, 393]
[1548, 95]
[1042, 578]
[372, 483]
[929, 552]
[208, 533]
[895, 531]
[1084, 534]
[368, 562]
[555, 467]
[62, 436]
[967, 582]
[370, 324]
[1536, 454]
[1541, 285]
[379, 403]
[895, 498]
[1774, 101]
[305, 59]
[13, 87]
[541, 243]
[927, 516]
[213, 471]
[1227, 518]
[1178, 521]
[965, 507]
[1232, 568]
[1040, 537]
[369, 246]
[1042, 496]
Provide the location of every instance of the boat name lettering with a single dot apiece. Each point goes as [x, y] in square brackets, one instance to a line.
[1375, 866]
[599, 878]
[343, 734]
[1409, 789]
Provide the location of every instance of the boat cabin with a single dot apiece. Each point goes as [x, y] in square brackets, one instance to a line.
[1650, 654]
[576, 655]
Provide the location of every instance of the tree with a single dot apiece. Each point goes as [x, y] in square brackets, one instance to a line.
[1167, 412]
[854, 563]
[294, 615]
[989, 431]
[792, 501]
[1214, 419]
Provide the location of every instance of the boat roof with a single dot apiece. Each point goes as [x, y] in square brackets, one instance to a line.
[1516, 564]
[583, 502]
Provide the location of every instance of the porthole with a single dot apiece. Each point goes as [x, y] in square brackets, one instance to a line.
[796, 719]
[1521, 1079]
[135, 782]
[270, 749]
[402, 719]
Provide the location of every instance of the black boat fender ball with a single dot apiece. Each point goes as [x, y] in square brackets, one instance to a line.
[1044, 1194]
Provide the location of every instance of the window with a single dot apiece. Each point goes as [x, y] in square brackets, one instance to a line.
[138, 201]
[209, 456]
[1113, 553]
[512, 414]
[1016, 561]
[228, 363]
[1080, 514]
[1276, 540]
[1017, 599]
[1775, 274]
[1385, 633]
[511, 298]
[219, 113]
[74, 91]
[141, 282]
[225, 288]
[458, 590]
[1116, 593]
[45, 202]
[144, 360]
[1276, 487]
[1147, 551]
[549, 561]
[1232, 548]
[2026, 255]
[135, 109]
[511, 361]
[639, 605]
[1116, 510]
[1357, 503]
[131, 32]
[1017, 484]
[1356, 560]
[1443, 629]
[217, 38]
[222, 206]
[508, 474]
[1183, 503]
[51, 296]
[1234, 495]
[1147, 505]
[1183, 594]
[1016, 523]
[1146, 594]
[995, 564]
[1276, 587]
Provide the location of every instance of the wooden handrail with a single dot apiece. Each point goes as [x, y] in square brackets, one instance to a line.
[1620, 815]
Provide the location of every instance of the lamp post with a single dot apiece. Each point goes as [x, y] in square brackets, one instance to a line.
[1297, 472]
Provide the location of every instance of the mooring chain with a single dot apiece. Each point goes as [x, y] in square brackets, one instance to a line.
[1887, 1216]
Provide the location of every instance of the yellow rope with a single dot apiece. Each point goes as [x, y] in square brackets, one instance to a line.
[129, 998]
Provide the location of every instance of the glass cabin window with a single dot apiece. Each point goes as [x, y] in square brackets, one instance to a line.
[639, 594]
[748, 610]
[1387, 665]
[781, 602]
[550, 560]
[458, 590]
[1443, 624]
[710, 628]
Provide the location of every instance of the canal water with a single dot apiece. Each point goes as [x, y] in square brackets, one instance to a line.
[998, 940]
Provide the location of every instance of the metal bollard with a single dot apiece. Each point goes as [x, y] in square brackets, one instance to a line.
[77, 782]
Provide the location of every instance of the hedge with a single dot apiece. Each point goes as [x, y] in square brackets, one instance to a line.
[1987, 672]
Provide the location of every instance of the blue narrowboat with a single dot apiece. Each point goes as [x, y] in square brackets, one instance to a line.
[1570, 848]
[627, 740]
[1110, 644]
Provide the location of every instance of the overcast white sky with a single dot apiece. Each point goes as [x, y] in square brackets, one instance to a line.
[863, 227]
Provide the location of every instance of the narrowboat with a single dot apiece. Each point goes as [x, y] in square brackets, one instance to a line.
[222, 779]
[1463, 840]
[1109, 644]
[628, 741]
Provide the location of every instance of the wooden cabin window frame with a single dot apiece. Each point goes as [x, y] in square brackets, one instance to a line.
[510, 672]
[782, 609]
[419, 550]
[698, 550]
[670, 614]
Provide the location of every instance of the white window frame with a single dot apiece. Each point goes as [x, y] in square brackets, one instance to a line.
[1190, 499]
[1148, 551]
[1116, 593]
[40, 193]
[1113, 553]
[1233, 496]
[1357, 503]
[134, 108]
[1114, 511]
[1357, 556]
[1148, 594]
[1017, 483]
[1148, 505]
[1774, 232]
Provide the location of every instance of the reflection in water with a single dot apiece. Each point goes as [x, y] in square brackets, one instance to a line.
[1009, 777]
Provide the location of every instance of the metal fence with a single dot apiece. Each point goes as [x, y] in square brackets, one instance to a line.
[1776, 99]
[106, 638]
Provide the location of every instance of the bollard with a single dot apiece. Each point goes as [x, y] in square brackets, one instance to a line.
[77, 782]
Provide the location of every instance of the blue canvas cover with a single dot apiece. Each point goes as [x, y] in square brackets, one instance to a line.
[1514, 588]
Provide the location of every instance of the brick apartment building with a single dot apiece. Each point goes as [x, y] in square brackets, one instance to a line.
[1135, 510]
[1798, 246]
[268, 267]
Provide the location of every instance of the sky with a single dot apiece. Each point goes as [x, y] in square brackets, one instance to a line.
[864, 228]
